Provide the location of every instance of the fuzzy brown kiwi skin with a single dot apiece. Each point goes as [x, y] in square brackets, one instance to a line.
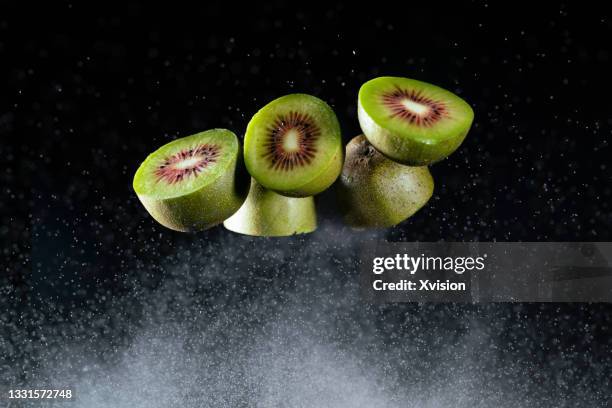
[207, 207]
[376, 192]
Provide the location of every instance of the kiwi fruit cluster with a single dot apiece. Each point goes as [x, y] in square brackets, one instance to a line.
[293, 151]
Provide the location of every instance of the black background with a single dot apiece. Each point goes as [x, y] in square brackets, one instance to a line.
[87, 93]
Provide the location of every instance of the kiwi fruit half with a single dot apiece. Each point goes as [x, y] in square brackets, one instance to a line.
[374, 191]
[293, 146]
[412, 122]
[193, 183]
[266, 213]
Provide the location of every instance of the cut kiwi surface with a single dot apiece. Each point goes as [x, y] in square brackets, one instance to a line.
[195, 182]
[293, 146]
[374, 191]
[412, 122]
[266, 213]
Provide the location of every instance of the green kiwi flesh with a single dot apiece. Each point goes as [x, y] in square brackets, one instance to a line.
[195, 182]
[267, 213]
[412, 122]
[293, 146]
[374, 191]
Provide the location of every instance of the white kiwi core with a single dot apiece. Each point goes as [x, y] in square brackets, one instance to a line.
[188, 163]
[415, 107]
[291, 141]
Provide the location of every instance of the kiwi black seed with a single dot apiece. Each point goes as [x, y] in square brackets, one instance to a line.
[307, 133]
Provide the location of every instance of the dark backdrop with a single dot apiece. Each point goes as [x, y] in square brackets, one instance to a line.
[88, 92]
